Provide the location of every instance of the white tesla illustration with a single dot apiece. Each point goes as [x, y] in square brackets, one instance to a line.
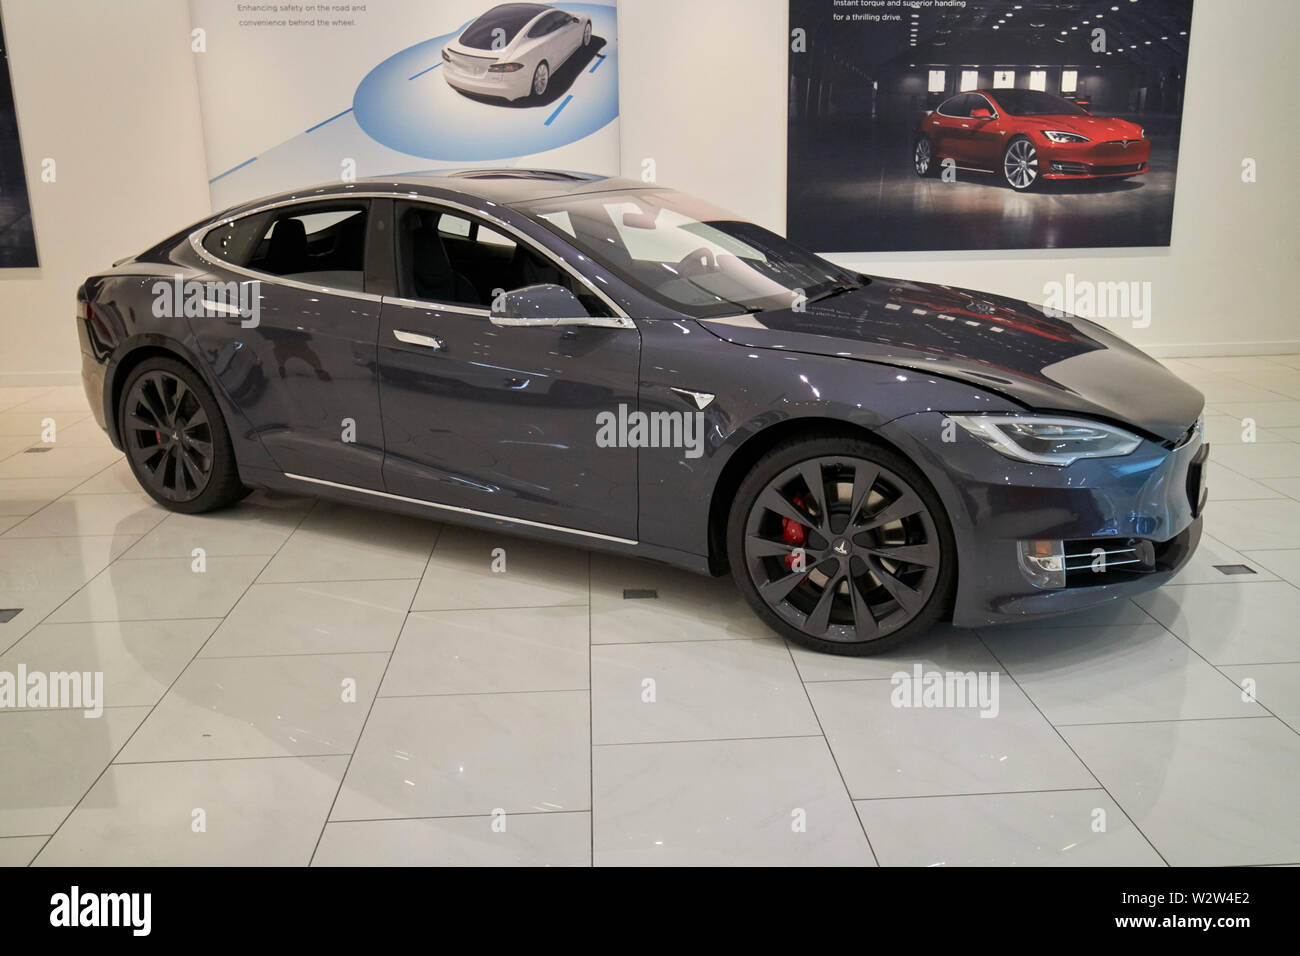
[514, 49]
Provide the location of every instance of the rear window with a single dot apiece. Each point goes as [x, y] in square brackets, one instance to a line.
[499, 26]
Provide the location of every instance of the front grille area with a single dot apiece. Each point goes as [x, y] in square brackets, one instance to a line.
[1125, 168]
[1083, 169]
[1090, 562]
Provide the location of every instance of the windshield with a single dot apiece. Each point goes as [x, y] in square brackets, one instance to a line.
[1033, 103]
[688, 255]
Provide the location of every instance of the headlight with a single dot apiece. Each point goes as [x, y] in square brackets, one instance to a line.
[1061, 136]
[1048, 441]
[1142, 133]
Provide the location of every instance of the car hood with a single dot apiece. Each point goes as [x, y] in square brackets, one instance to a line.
[1045, 362]
[1096, 128]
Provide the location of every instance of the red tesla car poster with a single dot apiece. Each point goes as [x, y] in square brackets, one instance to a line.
[974, 124]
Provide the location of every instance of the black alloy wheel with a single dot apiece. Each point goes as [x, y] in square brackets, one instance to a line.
[175, 439]
[842, 546]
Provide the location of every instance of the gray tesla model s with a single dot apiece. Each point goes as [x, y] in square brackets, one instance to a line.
[619, 366]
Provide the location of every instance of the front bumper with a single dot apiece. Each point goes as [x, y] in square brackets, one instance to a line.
[1151, 496]
[1093, 160]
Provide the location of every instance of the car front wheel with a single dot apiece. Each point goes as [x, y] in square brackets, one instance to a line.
[175, 439]
[1020, 165]
[841, 545]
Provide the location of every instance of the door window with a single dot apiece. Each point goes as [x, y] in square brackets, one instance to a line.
[319, 245]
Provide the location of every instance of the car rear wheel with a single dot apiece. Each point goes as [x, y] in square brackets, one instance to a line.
[541, 78]
[841, 545]
[175, 439]
[586, 34]
[1020, 165]
[923, 156]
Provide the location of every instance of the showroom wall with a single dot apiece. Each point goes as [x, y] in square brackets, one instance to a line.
[108, 90]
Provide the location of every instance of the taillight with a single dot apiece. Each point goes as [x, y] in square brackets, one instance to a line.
[505, 67]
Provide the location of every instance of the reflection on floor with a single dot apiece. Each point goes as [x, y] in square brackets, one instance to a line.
[348, 687]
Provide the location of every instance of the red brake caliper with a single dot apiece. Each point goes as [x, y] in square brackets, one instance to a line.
[793, 534]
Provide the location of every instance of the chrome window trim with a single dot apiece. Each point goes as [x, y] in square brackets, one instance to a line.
[624, 321]
[992, 105]
[432, 306]
[460, 510]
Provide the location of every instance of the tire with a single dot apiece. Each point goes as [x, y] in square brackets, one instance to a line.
[586, 34]
[1021, 172]
[892, 582]
[187, 462]
[925, 165]
[541, 75]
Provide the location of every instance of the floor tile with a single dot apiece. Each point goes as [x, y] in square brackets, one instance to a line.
[82, 515]
[1231, 624]
[32, 607]
[341, 543]
[776, 801]
[1224, 484]
[1084, 675]
[688, 607]
[889, 751]
[260, 707]
[114, 479]
[460, 574]
[49, 564]
[1204, 792]
[159, 588]
[59, 462]
[25, 496]
[1212, 554]
[492, 651]
[1285, 563]
[527, 839]
[470, 755]
[1276, 686]
[697, 691]
[139, 659]
[247, 528]
[254, 813]
[1054, 828]
[50, 759]
[1275, 414]
[334, 617]
[1277, 460]
[19, 851]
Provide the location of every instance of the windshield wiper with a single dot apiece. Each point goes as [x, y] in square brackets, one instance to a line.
[838, 289]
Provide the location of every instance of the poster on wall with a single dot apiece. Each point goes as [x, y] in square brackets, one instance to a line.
[980, 124]
[17, 240]
[295, 94]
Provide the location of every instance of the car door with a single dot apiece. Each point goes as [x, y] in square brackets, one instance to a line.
[303, 366]
[948, 120]
[499, 420]
[986, 134]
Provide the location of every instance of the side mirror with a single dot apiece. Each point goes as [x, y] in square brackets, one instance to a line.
[981, 113]
[547, 305]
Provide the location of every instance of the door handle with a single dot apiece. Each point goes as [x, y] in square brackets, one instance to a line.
[416, 338]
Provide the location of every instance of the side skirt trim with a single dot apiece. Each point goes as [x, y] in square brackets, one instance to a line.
[459, 510]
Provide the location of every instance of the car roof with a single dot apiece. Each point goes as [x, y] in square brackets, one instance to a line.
[507, 187]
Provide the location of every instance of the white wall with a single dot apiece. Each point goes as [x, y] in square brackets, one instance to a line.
[107, 90]
[704, 94]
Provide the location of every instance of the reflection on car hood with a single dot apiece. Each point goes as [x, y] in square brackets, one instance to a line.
[1003, 345]
[1099, 129]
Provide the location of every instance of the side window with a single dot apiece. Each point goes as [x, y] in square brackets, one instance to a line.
[321, 244]
[233, 242]
[453, 259]
[956, 106]
[979, 102]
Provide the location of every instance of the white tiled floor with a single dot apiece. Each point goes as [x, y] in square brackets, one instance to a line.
[342, 687]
